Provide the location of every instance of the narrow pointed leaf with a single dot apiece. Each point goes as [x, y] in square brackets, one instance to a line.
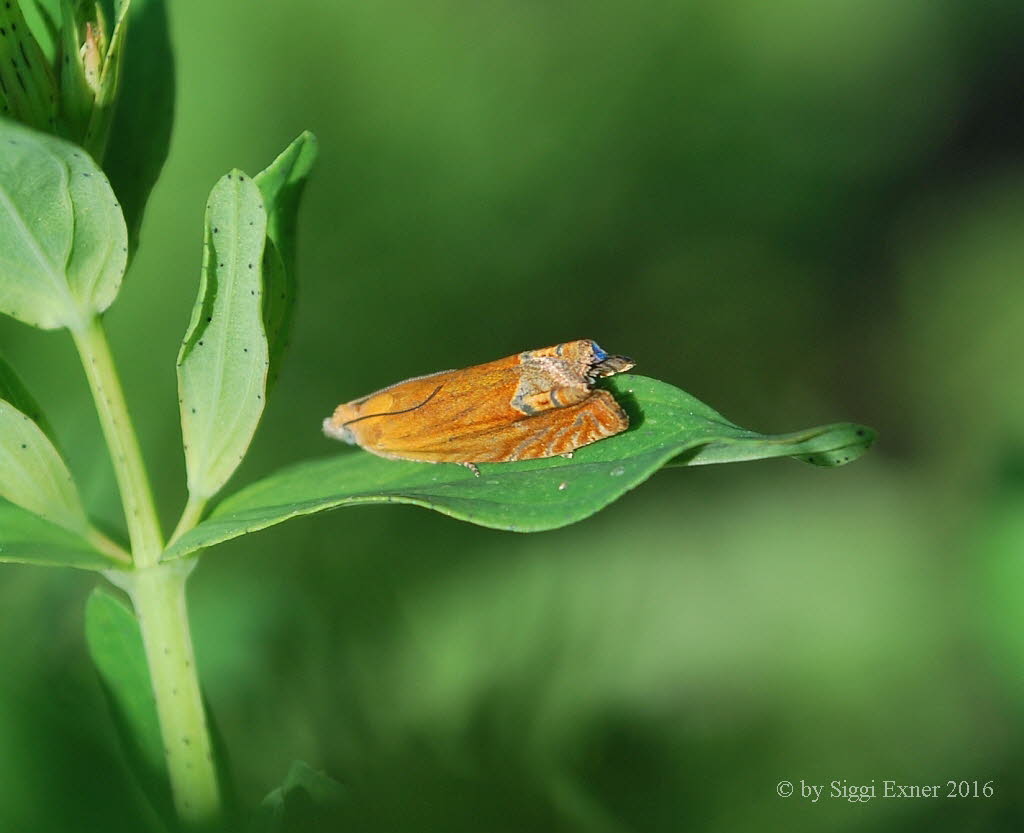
[25, 538]
[34, 476]
[222, 366]
[63, 242]
[115, 645]
[666, 425]
[15, 393]
[281, 184]
[141, 131]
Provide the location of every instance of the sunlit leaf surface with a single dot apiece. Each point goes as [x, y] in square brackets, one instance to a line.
[667, 426]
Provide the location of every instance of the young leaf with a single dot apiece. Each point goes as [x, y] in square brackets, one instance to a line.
[63, 241]
[667, 425]
[25, 538]
[34, 476]
[13, 391]
[222, 366]
[115, 645]
[108, 85]
[281, 184]
[141, 132]
[90, 72]
[304, 801]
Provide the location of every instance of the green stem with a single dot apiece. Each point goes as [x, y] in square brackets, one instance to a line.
[139, 509]
[158, 596]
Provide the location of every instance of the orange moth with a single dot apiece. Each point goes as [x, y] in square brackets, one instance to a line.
[537, 403]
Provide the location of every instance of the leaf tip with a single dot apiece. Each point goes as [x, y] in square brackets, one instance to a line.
[847, 442]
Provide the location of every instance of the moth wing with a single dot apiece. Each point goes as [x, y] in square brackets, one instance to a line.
[430, 411]
[546, 434]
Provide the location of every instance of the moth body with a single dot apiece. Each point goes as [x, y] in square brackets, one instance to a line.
[538, 403]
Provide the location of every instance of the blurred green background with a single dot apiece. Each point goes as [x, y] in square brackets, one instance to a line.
[801, 212]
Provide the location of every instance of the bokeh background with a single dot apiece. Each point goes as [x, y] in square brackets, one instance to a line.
[799, 211]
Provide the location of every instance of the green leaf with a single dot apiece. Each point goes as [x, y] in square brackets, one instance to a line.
[666, 425]
[304, 801]
[34, 475]
[115, 645]
[222, 366]
[281, 184]
[25, 538]
[63, 241]
[141, 132]
[42, 17]
[27, 86]
[13, 391]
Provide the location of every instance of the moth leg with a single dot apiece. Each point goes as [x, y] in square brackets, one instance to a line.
[567, 455]
[472, 467]
[557, 397]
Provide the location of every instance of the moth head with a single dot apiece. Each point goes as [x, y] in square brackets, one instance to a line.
[604, 364]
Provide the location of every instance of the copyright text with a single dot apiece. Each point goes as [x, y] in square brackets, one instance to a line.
[858, 793]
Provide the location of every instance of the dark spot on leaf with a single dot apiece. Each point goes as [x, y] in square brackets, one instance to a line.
[24, 446]
[200, 342]
[215, 229]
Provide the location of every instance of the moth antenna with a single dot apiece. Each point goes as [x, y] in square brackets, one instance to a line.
[394, 413]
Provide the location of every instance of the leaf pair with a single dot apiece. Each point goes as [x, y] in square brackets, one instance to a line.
[63, 252]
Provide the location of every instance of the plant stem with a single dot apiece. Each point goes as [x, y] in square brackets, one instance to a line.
[136, 497]
[158, 596]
